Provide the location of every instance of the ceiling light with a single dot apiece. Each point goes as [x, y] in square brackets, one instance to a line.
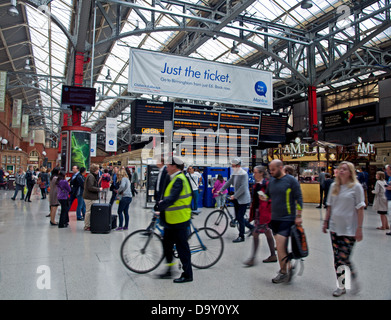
[306, 4]
[234, 48]
[12, 11]
[108, 77]
[27, 66]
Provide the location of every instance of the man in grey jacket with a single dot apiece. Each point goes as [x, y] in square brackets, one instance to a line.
[241, 198]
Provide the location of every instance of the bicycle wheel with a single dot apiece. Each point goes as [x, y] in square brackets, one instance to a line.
[141, 251]
[205, 249]
[217, 220]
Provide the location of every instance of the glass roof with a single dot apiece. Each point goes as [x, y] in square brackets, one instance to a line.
[50, 45]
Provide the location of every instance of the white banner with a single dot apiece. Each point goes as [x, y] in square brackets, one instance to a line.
[16, 113]
[25, 126]
[93, 145]
[3, 84]
[175, 76]
[111, 134]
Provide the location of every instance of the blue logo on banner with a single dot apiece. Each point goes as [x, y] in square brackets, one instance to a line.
[111, 142]
[92, 150]
[260, 88]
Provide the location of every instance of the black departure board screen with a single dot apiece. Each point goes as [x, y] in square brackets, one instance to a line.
[226, 122]
[148, 116]
[273, 127]
[239, 118]
[81, 97]
[200, 115]
[347, 118]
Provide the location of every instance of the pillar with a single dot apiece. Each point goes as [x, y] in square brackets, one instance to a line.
[313, 113]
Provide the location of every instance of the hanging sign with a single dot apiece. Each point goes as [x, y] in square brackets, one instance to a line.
[297, 149]
[16, 113]
[111, 134]
[176, 76]
[25, 126]
[93, 145]
[3, 84]
[365, 149]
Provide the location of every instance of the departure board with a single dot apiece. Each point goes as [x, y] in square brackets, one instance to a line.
[200, 115]
[239, 118]
[148, 116]
[273, 127]
[228, 122]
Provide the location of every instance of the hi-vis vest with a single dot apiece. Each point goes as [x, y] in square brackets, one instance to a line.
[180, 211]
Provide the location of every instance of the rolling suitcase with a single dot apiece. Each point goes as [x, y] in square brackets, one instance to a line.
[100, 218]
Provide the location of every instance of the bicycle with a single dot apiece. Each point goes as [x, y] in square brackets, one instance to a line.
[218, 219]
[142, 251]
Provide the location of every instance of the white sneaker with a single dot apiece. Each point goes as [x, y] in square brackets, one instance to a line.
[339, 292]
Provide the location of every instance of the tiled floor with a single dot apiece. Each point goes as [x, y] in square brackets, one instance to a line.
[38, 261]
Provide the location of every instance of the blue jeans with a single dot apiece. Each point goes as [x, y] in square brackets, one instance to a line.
[124, 207]
[81, 207]
[194, 202]
[17, 188]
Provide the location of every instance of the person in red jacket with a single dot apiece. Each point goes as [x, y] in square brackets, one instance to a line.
[260, 212]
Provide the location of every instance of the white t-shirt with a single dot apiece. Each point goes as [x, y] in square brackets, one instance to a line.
[194, 179]
[344, 218]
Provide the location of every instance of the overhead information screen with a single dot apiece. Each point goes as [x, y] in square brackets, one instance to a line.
[148, 116]
[81, 97]
[232, 125]
[200, 115]
[273, 127]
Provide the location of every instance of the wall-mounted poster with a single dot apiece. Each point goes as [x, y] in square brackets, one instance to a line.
[80, 149]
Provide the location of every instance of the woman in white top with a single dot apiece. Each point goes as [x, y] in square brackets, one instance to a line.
[380, 202]
[344, 219]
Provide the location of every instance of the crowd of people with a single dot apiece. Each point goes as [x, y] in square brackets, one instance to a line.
[86, 189]
[275, 202]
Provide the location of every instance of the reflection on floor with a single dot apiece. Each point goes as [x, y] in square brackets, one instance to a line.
[38, 261]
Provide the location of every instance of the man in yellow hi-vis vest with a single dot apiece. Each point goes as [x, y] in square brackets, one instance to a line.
[175, 209]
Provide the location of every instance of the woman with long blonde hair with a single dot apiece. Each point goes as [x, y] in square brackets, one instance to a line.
[125, 198]
[344, 219]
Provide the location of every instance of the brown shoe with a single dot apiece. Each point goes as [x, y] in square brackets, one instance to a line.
[250, 262]
[270, 259]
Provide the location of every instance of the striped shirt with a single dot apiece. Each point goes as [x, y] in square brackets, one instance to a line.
[20, 179]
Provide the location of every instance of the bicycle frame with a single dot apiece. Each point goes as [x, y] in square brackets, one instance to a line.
[192, 227]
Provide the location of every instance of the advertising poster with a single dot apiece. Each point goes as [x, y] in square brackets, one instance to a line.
[80, 149]
[111, 134]
[3, 84]
[176, 76]
[25, 126]
[16, 113]
[93, 145]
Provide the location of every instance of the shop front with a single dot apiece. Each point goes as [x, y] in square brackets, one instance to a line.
[307, 161]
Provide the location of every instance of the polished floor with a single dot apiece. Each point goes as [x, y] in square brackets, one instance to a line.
[38, 261]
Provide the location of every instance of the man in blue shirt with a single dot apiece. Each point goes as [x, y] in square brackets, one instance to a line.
[388, 191]
[287, 203]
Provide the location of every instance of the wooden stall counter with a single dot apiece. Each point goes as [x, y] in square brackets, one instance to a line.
[311, 192]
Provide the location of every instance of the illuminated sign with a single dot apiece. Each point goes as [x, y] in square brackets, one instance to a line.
[365, 149]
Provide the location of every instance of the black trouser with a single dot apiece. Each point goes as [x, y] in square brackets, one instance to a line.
[29, 191]
[240, 211]
[64, 217]
[322, 193]
[133, 188]
[178, 234]
[113, 197]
